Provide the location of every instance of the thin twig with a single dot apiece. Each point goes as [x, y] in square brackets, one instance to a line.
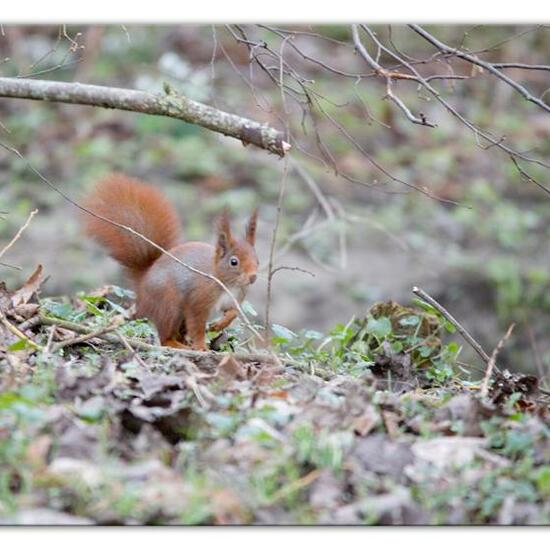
[480, 63]
[493, 360]
[282, 190]
[390, 76]
[465, 334]
[15, 331]
[525, 175]
[128, 346]
[18, 234]
[85, 337]
[292, 268]
[50, 339]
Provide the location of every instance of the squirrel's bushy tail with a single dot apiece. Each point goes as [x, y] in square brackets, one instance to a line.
[143, 208]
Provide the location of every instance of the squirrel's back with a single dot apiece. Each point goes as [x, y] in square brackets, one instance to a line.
[139, 206]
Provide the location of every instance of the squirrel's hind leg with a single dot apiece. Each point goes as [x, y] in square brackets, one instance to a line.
[196, 330]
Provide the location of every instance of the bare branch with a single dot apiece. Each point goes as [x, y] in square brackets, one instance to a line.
[389, 76]
[480, 63]
[521, 66]
[475, 129]
[170, 104]
[524, 174]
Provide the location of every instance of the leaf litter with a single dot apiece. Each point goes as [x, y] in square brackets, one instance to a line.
[375, 431]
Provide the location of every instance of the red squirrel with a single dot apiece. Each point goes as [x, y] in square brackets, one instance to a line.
[177, 300]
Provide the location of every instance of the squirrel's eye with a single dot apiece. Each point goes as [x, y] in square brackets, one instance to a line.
[234, 261]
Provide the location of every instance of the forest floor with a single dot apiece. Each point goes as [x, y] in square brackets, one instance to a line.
[377, 422]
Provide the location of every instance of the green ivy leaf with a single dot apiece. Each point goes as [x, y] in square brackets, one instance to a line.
[313, 335]
[381, 327]
[409, 321]
[283, 332]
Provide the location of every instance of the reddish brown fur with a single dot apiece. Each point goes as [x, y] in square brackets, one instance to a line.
[143, 208]
[178, 311]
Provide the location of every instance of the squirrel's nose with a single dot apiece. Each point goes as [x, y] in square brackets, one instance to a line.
[252, 278]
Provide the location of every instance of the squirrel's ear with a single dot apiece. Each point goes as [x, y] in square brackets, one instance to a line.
[251, 227]
[225, 240]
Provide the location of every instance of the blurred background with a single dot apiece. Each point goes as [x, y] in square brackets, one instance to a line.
[352, 214]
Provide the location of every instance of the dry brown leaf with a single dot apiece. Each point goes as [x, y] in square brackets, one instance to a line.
[26, 311]
[229, 367]
[32, 284]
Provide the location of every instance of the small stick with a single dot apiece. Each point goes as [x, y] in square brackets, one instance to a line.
[292, 268]
[29, 323]
[127, 345]
[191, 382]
[50, 339]
[14, 330]
[492, 361]
[465, 334]
[270, 271]
[295, 485]
[18, 234]
[86, 336]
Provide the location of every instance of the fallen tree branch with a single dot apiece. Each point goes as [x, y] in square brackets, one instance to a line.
[88, 336]
[138, 344]
[170, 104]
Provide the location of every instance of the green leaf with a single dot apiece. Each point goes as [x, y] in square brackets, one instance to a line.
[449, 327]
[453, 347]
[425, 351]
[312, 335]
[62, 311]
[381, 327]
[18, 346]
[409, 321]
[397, 346]
[542, 479]
[283, 332]
[248, 309]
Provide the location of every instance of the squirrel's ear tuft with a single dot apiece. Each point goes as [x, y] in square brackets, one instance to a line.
[251, 227]
[225, 240]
